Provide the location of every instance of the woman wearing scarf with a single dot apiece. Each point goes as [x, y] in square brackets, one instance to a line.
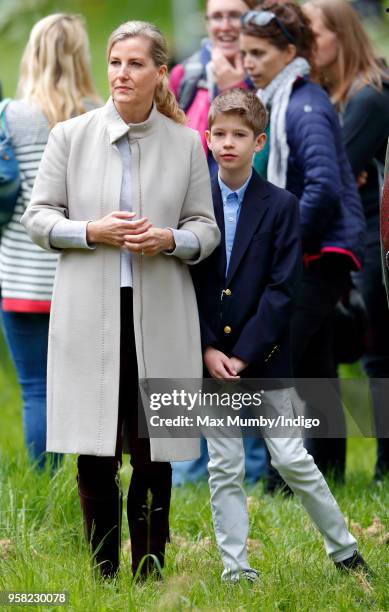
[307, 157]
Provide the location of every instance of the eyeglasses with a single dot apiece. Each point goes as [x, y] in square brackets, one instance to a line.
[232, 17]
[263, 18]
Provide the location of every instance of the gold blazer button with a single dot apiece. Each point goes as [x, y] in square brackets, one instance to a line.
[227, 329]
[227, 292]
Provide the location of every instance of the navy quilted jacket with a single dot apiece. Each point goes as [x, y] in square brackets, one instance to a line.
[319, 174]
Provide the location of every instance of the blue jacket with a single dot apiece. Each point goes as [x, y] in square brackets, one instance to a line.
[247, 314]
[320, 176]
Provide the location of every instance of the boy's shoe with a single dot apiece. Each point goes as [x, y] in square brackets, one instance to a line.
[248, 575]
[354, 563]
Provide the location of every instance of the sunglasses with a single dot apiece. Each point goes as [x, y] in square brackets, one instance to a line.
[263, 18]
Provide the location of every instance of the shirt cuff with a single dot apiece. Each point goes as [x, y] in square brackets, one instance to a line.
[187, 244]
[68, 234]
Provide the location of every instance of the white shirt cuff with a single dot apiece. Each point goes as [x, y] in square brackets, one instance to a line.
[68, 234]
[187, 244]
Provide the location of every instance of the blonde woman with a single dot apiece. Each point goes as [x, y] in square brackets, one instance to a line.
[358, 84]
[124, 194]
[55, 83]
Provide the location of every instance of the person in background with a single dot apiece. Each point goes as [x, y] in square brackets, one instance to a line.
[55, 83]
[124, 304]
[217, 66]
[384, 226]
[358, 83]
[307, 157]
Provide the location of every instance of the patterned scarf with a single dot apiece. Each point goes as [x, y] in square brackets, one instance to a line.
[276, 98]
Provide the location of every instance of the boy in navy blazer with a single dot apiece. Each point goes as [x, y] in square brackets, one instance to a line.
[245, 292]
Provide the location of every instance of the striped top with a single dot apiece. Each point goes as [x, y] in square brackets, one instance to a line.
[26, 270]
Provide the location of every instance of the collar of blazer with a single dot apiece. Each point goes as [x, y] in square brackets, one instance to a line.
[255, 206]
[117, 127]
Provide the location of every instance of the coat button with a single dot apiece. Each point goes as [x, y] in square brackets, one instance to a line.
[227, 292]
[227, 329]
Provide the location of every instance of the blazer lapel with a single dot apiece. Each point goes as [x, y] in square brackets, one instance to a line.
[219, 215]
[253, 212]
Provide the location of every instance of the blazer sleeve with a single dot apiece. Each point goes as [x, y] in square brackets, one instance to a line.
[265, 329]
[48, 203]
[197, 213]
[206, 285]
[313, 143]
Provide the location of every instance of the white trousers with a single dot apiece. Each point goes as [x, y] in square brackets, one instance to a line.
[297, 468]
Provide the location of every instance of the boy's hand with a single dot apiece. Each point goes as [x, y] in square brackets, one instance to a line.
[238, 364]
[219, 365]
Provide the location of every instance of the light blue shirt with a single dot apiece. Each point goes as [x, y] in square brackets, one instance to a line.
[232, 204]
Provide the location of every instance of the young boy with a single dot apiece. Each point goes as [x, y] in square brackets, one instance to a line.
[245, 291]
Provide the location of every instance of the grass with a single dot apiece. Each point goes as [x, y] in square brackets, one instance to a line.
[41, 540]
[42, 546]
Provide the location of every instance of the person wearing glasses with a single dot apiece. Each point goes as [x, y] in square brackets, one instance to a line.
[216, 67]
[307, 157]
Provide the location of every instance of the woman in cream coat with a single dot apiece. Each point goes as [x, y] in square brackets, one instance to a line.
[110, 186]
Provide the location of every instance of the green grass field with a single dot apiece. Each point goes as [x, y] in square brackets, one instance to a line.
[42, 546]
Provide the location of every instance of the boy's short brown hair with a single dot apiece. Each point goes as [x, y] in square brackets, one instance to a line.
[243, 103]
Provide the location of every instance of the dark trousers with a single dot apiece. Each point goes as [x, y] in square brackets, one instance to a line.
[376, 359]
[322, 284]
[148, 500]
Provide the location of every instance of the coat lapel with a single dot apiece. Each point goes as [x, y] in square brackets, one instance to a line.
[252, 214]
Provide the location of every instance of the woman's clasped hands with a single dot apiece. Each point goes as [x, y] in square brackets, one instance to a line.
[122, 230]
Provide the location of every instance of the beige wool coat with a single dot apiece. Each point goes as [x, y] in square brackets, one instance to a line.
[79, 179]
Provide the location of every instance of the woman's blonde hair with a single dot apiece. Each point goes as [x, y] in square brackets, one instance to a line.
[356, 63]
[55, 68]
[164, 98]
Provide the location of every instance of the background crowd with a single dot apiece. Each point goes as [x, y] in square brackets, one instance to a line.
[342, 60]
[327, 138]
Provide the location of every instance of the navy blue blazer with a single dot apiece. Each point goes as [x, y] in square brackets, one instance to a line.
[247, 314]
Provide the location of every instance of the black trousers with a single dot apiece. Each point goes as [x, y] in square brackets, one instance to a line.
[148, 500]
[376, 359]
[323, 283]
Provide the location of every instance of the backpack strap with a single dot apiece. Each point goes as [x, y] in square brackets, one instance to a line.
[3, 124]
[194, 75]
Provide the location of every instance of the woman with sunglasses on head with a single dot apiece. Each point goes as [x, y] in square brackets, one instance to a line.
[358, 84]
[307, 157]
[217, 66]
